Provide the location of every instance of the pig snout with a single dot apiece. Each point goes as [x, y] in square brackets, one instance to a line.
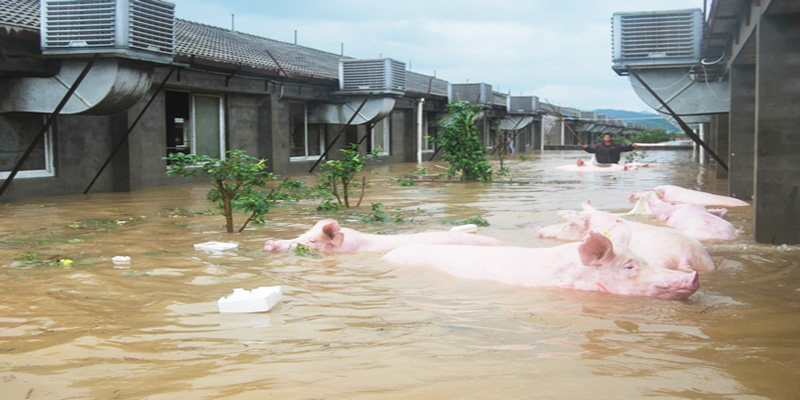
[680, 287]
[539, 232]
[277, 245]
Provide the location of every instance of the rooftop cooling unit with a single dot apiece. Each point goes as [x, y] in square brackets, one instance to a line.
[591, 115]
[523, 104]
[382, 75]
[138, 29]
[473, 93]
[656, 39]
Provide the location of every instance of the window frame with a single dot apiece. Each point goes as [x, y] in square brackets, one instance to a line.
[387, 136]
[49, 165]
[306, 145]
[428, 145]
[193, 123]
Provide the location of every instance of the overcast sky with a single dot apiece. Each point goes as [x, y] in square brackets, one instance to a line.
[557, 50]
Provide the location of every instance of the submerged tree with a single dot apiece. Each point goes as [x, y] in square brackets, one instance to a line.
[336, 172]
[461, 143]
[234, 180]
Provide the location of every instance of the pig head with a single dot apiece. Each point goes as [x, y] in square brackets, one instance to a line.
[693, 220]
[595, 264]
[658, 246]
[327, 236]
[580, 223]
[677, 194]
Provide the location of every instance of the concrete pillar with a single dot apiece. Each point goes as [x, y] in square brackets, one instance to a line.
[742, 120]
[711, 138]
[277, 142]
[721, 143]
[777, 171]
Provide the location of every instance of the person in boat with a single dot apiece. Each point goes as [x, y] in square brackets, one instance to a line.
[607, 151]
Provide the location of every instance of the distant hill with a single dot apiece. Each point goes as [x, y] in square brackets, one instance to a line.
[650, 120]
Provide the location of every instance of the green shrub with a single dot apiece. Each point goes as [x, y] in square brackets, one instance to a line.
[461, 143]
[233, 180]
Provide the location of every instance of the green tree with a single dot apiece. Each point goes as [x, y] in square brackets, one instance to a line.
[461, 143]
[653, 136]
[335, 172]
[234, 180]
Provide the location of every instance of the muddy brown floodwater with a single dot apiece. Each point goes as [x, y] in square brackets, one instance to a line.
[353, 327]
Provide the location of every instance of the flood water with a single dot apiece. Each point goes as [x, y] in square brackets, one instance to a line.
[354, 327]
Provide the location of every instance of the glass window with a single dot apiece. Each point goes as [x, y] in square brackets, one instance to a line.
[429, 134]
[195, 124]
[381, 136]
[297, 130]
[17, 132]
[306, 141]
[316, 139]
[492, 138]
[208, 137]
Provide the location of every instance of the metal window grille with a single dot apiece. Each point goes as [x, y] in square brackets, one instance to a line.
[661, 37]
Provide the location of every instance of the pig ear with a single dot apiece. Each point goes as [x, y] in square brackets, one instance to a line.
[334, 232]
[574, 216]
[587, 206]
[595, 249]
[659, 207]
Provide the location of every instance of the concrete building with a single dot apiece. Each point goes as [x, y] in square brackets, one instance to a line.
[216, 90]
[94, 107]
[733, 74]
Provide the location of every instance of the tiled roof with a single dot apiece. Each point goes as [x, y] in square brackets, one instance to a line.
[223, 45]
[425, 84]
[212, 43]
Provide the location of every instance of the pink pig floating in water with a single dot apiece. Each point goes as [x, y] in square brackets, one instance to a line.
[658, 246]
[592, 265]
[677, 194]
[693, 220]
[327, 236]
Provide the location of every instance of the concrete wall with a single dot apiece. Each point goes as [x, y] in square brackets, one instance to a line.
[742, 132]
[80, 148]
[777, 171]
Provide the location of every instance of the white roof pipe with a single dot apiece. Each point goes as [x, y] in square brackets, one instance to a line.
[684, 94]
[514, 122]
[375, 109]
[112, 85]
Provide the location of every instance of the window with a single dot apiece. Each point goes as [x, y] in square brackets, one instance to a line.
[195, 124]
[429, 134]
[307, 141]
[380, 136]
[17, 131]
[492, 138]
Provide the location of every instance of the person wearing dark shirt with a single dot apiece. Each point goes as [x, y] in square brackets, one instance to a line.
[607, 152]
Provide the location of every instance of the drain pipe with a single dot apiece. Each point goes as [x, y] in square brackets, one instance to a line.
[686, 129]
[420, 105]
[701, 132]
[49, 123]
[130, 129]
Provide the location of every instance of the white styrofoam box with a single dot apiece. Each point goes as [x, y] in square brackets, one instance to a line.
[120, 260]
[215, 246]
[468, 228]
[250, 301]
